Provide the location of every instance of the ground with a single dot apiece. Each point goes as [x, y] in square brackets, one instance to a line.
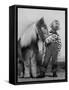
[61, 76]
[48, 75]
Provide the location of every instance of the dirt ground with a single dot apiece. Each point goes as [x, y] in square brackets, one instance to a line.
[48, 76]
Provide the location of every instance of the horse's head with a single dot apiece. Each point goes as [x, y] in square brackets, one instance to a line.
[42, 28]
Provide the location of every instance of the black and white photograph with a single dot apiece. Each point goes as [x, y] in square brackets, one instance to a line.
[41, 45]
[38, 48]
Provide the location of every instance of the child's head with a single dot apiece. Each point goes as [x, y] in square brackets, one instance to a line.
[55, 25]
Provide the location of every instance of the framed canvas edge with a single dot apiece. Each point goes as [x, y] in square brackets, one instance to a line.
[16, 36]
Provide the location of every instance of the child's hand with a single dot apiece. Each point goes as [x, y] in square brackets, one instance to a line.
[54, 36]
[51, 38]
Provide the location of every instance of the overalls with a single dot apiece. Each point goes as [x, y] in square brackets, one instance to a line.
[52, 50]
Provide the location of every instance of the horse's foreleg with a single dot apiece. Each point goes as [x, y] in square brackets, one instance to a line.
[33, 66]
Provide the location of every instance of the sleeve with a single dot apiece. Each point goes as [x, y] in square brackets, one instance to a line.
[51, 38]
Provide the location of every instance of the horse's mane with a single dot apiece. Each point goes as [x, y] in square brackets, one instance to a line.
[31, 32]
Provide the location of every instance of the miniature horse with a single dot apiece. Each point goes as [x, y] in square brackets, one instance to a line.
[31, 48]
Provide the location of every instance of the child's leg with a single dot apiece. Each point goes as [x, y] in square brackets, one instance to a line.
[54, 61]
[54, 65]
[47, 56]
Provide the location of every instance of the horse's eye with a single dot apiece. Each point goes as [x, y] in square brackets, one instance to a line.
[45, 27]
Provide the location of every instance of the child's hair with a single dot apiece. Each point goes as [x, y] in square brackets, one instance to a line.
[55, 25]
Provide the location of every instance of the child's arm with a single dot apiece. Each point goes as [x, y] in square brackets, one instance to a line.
[51, 38]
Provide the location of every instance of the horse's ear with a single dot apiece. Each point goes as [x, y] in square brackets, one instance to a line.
[40, 22]
[42, 18]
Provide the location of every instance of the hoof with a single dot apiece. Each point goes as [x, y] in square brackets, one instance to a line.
[42, 75]
[54, 75]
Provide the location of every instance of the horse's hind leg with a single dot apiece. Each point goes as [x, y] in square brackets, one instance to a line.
[27, 65]
[26, 70]
[20, 70]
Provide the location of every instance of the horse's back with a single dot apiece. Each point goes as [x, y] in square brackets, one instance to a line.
[28, 35]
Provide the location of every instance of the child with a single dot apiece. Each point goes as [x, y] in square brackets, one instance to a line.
[53, 46]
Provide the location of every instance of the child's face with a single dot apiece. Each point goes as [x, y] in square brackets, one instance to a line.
[55, 25]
